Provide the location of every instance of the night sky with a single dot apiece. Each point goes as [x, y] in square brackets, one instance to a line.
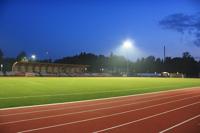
[64, 28]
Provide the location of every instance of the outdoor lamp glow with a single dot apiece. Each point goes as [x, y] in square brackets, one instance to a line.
[33, 57]
[127, 44]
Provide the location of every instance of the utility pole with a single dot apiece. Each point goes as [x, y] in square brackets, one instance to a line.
[164, 54]
[127, 67]
[1, 67]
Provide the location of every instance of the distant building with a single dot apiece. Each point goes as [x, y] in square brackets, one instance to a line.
[172, 75]
[48, 68]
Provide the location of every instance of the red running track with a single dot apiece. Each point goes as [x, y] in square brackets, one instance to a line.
[175, 111]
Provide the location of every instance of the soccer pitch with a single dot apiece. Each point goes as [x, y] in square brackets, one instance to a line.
[24, 91]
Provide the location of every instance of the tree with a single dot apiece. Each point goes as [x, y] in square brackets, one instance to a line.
[1, 56]
[117, 65]
[22, 56]
[8, 63]
[186, 55]
[189, 65]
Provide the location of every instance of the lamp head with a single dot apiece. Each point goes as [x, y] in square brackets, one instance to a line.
[127, 44]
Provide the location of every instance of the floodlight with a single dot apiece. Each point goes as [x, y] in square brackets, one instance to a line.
[127, 44]
[33, 57]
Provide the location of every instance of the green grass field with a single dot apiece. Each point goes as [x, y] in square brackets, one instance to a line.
[34, 91]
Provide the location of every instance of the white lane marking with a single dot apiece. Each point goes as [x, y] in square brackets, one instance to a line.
[145, 118]
[79, 106]
[101, 99]
[179, 124]
[116, 114]
[111, 107]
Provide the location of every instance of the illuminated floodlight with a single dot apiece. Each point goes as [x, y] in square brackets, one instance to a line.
[127, 44]
[33, 57]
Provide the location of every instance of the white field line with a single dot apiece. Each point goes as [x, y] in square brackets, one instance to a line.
[145, 118]
[93, 110]
[101, 99]
[179, 124]
[116, 114]
[79, 106]
[34, 96]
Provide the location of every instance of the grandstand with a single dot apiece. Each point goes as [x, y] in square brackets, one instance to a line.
[47, 69]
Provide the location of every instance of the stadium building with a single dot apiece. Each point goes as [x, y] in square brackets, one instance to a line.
[48, 69]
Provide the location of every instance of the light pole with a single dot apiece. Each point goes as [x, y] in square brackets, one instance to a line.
[1, 67]
[128, 44]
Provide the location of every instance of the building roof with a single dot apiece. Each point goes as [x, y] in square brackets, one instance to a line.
[49, 64]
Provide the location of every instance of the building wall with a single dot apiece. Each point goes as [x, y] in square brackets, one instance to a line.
[30, 68]
[43, 69]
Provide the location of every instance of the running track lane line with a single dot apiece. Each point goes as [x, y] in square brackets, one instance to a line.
[63, 124]
[111, 107]
[101, 99]
[106, 102]
[146, 101]
[145, 118]
[117, 98]
[179, 124]
[21, 124]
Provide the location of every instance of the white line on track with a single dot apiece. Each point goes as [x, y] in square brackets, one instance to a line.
[93, 110]
[101, 99]
[179, 124]
[79, 106]
[116, 114]
[145, 118]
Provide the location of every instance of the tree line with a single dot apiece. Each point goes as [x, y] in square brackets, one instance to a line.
[118, 65]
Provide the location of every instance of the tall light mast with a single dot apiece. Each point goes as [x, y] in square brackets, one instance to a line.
[164, 53]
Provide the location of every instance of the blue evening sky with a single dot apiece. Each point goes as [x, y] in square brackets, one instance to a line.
[68, 27]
